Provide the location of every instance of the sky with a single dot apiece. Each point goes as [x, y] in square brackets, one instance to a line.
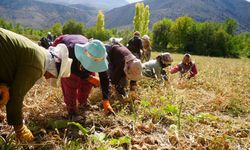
[132, 1]
[248, 0]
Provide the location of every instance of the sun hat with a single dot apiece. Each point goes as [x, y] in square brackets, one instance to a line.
[92, 55]
[133, 68]
[58, 55]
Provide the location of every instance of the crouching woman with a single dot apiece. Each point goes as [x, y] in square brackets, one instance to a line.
[123, 66]
[155, 68]
[186, 67]
[22, 63]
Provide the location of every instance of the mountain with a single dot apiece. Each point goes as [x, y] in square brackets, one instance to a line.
[36, 14]
[200, 10]
[99, 4]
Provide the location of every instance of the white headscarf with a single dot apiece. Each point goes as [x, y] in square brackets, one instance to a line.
[58, 54]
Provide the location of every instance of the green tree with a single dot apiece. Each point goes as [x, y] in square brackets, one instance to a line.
[105, 35]
[100, 22]
[221, 43]
[72, 27]
[137, 18]
[56, 29]
[19, 28]
[5, 24]
[191, 43]
[125, 34]
[145, 20]
[180, 29]
[206, 31]
[246, 50]
[162, 34]
[141, 18]
[230, 26]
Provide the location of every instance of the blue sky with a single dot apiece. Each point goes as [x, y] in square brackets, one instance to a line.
[131, 1]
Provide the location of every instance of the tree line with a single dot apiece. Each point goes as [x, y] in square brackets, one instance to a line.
[182, 35]
[201, 38]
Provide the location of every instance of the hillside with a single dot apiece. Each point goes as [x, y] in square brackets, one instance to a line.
[99, 4]
[36, 14]
[200, 10]
[39, 14]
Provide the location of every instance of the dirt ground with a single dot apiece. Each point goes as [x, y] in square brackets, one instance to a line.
[211, 111]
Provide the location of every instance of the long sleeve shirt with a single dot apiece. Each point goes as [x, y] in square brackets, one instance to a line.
[152, 69]
[70, 40]
[116, 57]
[22, 63]
[183, 68]
[135, 46]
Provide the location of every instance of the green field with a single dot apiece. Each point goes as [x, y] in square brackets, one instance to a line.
[211, 111]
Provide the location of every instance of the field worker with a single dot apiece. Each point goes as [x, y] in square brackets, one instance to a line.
[155, 68]
[50, 37]
[123, 66]
[186, 67]
[77, 87]
[93, 58]
[22, 63]
[135, 45]
[146, 48]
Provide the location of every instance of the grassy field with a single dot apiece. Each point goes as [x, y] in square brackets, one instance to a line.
[211, 111]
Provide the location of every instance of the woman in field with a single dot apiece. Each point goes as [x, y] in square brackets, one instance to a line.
[22, 63]
[146, 53]
[186, 67]
[123, 66]
[155, 68]
[88, 57]
[135, 45]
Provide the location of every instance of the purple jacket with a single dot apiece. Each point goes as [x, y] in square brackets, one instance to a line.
[116, 57]
[70, 41]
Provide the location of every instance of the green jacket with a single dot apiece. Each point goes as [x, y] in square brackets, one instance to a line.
[152, 69]
[22, 63]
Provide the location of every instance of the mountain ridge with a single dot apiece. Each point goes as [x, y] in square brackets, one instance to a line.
[99, 4]
[30, 13]
[37, 14]
[200, 10]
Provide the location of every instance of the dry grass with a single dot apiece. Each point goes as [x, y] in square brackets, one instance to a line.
[215, 113]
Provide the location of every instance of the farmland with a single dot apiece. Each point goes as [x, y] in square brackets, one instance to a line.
[211, 111]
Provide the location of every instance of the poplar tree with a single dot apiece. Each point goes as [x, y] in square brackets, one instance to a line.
[141, 18]
[138, 16]
[100, 22]
[145, 21]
